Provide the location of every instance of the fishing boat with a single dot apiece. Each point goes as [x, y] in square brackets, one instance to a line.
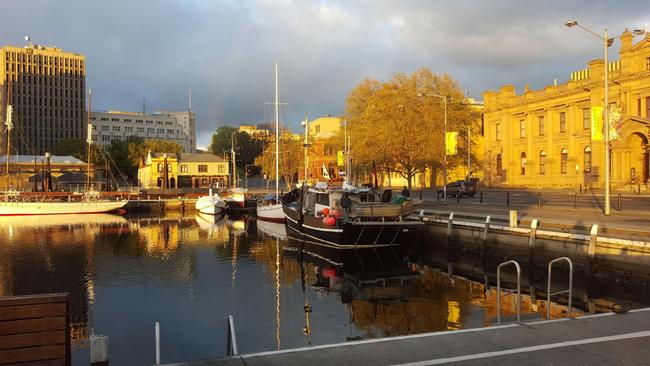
[90, 203]
[347, 218]
[211, 204]
[270, 208]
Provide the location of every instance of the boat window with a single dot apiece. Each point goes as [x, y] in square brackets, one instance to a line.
[322, 199]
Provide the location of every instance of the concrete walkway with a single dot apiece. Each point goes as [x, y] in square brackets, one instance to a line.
[603, 339]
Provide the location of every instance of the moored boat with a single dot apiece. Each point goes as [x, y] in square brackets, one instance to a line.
[211, 204]
[347, 219]
[24, 208]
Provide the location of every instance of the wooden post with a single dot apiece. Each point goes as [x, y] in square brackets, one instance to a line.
[486, 228]
[513, 218]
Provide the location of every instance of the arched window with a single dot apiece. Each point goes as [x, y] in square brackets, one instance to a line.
[542, 162]
[587, 159]
[523, 163]
[564, 158]
[499, 165]
[160, 167]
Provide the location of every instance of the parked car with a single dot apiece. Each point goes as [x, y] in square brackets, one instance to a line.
[462, 188]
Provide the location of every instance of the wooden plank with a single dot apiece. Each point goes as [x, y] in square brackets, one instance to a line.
[32, 325]
[33, 299]
[16, 355]
[60, 362]
[33, 311]
[56, 337]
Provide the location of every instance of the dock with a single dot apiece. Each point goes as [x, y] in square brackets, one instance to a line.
[601, 339]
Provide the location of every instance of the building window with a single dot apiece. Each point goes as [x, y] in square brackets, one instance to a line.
[203, 168]
[161, 130]
[128, 129]
[150, 130]
[522, 129]
[586, 118]
[587, 159]
[523, 163]
[647, 63]
[160, 167]
[541, 125]
[498, 131]
[499, 165]
[183, 168]
[318, 129]
[542, 162]
[106, 138]
[116, 128]
[104, 128]
[562, 122]
[140, 129]
[115, 119]
[564, 158]
[221, 169]
[647, 107]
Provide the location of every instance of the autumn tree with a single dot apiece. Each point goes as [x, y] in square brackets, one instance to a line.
[394, 126]
[138, 149]
[291, 159]
[246, 148]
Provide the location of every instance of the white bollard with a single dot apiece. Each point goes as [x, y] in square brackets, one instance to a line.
[98, 350]
[513, 218]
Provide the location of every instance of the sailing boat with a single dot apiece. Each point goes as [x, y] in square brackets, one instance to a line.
[211, 204]
[270, 208]
[91, 203]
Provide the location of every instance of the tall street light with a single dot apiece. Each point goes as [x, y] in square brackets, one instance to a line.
[444, 102]
[606, 42]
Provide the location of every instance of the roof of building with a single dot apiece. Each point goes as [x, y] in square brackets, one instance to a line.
[200, 157]
[54, 159]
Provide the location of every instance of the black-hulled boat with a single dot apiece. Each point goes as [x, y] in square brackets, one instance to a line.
[358, 218]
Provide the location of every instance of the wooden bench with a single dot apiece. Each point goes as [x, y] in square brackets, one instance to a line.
[34, 330]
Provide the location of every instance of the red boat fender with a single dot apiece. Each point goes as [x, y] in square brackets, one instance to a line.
[326, 211]
[330, 221]
[336, 213]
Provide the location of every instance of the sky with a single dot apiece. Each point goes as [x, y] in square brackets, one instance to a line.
[224, 51]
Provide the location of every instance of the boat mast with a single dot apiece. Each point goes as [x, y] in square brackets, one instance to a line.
[89, 141]
[10, 126]
[277, 134]
[234, 165]
[305, 146]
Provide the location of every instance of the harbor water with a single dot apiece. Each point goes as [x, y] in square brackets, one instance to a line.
[189, 272]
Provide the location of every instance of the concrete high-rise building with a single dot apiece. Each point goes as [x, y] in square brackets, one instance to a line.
[117, 125]
[187, 120]
[46, 88]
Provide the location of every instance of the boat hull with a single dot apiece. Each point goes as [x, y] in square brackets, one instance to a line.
[272, 213]
[210, 205]
[58, 208]
[347, 235]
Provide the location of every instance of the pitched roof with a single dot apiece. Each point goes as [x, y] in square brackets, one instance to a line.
[208, 158]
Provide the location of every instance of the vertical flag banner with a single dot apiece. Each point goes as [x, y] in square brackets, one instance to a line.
[340, 158]
[614, 123]
[596, 123]
[451, 143]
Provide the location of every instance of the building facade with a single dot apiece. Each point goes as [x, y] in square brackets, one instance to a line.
[185, 170]
[117, 125]
[543, 138]
[186, 120]
[46, 88]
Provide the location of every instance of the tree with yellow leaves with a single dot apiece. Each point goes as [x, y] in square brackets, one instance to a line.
[393, 125]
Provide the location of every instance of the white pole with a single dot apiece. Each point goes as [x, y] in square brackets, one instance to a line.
[606, 108]
[469, 152]
[445, 156]
[277, 134]
[157, 343]
[306, 147]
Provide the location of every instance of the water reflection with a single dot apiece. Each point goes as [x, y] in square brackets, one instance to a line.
[191, 272]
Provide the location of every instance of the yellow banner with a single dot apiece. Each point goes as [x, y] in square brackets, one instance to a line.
[340, 158]
[614, 123]
[596, 123]
[451, 143]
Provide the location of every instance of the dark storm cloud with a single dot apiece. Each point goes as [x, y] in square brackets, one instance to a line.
[224, 50]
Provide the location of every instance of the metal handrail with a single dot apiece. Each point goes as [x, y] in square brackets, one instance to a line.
[548, 287]
[232, 338]
[518, 290]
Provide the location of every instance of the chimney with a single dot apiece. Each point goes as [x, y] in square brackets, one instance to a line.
[596, 69]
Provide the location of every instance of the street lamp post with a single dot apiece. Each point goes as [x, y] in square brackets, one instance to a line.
[444, 102]
[607, 42]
